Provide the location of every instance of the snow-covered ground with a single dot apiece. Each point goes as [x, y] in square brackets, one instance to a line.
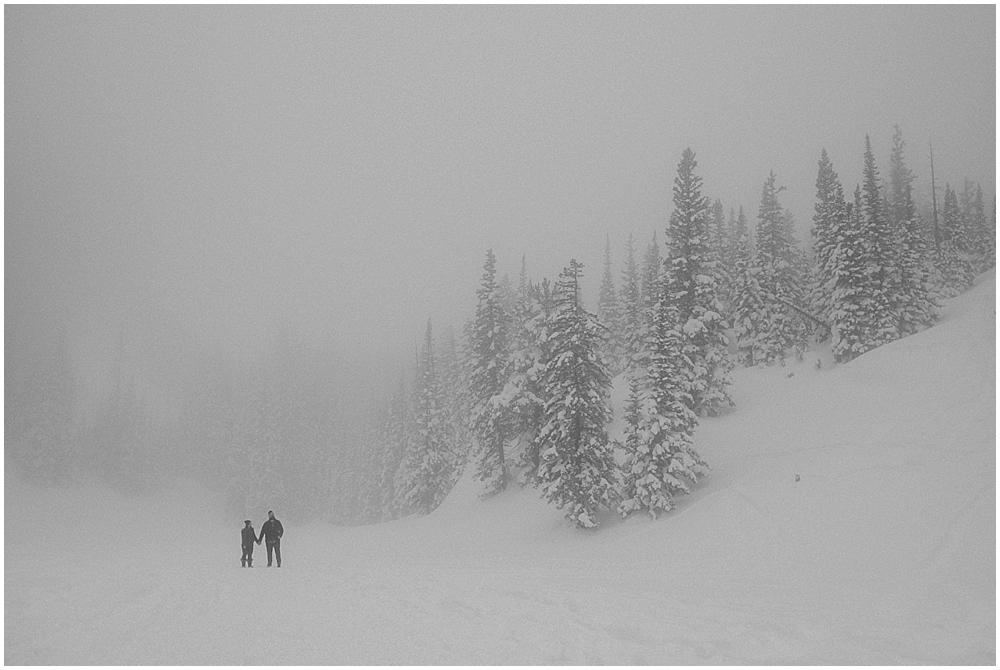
[850, 519]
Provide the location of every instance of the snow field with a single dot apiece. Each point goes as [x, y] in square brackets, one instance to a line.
[883, 552]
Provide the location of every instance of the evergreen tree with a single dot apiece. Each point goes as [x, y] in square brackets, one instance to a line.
[429, 467]
[609, 311]
[916, 306]
[740, 229]
[690, 287]
[749, 313]
[967, 199]
[39, 413]
[981, 241]
[883, 275]
[488, 362]
[524, 393]
[828, 223]
[717, 231]
[633, 331]
[728, 261]
[720, 251]
[253, 453]
[990, 246]
[850, 300]
[577, 468]
[394, 438]
[456, 385]
[954, 262]
[660, 459]
[775, 269]
[650, 288]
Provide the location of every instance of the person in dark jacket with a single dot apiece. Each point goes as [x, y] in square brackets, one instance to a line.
[271, 533]
[249, 537]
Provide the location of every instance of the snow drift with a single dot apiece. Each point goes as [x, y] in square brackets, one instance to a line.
[850, 518]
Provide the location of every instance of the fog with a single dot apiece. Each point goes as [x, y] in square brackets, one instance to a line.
[190, 183]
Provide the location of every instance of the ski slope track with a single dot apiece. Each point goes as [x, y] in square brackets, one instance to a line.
[850, 518]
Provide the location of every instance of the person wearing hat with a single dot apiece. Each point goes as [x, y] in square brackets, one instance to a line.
[249, 537]
[271, 533]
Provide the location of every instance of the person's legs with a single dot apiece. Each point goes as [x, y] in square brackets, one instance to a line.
[270, 550]
[243, 560]
[250, 555]
[277, 551]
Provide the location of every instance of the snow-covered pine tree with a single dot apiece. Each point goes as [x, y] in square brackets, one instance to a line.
[649, 289]
[749, 313]
[660, 459]
[967, 199]
[741, 230]
[455, 387]
[690, 286]
[609, 311]
[916, 306]
[488, 368]
[523, 393]
[577, 470]
[981, 235]
[956, 261]
[633, 329]
[717, 230]
[429, 467]
[990, 259]
[728, 262]
[828, 222]
[851, 302]
[776, 277]
[882, 272]
[394, 441]
[720, 251]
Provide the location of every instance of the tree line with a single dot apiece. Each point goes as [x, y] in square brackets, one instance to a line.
[522, 397]
[715, 294]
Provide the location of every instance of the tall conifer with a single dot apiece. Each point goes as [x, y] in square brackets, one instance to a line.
[691, 289]
[915, 306]
[577, 469]
[488, 368]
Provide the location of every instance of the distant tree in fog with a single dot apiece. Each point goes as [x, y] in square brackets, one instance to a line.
[982, 238]
[652, 265]
[632, 325]
[429, 467]
[915, 304]
[488, 362]
[455, 380]
[749, 313]
[956, 260]
[609, 311]
[253, 449]
[393, 439]
[40, 411]
[721, 246]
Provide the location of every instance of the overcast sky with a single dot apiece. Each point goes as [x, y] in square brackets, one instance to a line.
[182, 177]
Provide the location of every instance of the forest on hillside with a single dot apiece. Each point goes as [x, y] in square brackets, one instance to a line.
[521, 396]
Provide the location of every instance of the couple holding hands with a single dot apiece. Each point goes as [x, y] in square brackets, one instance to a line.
[270, 532]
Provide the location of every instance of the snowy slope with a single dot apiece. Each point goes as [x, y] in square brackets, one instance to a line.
[882, 552]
